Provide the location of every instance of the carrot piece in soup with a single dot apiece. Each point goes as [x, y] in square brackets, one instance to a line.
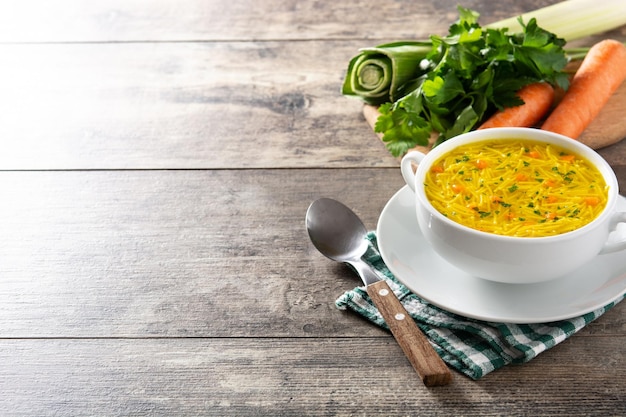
[601, 73]
[481, 164]
[592, 201]
[457, 188]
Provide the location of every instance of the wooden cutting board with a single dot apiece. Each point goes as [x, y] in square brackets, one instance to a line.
[607, 128]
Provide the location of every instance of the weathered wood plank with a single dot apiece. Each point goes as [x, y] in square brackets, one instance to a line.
[180, 253]
[304, 377]
[181, 106]
[196, 292]
[170, 20]
[216, 105]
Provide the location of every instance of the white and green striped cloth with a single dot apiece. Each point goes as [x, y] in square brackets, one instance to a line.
[473, 347]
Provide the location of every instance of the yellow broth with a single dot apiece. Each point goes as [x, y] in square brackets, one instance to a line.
[516, 188]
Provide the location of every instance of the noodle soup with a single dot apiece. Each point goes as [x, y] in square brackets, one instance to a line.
[536, 205]
[517, 188]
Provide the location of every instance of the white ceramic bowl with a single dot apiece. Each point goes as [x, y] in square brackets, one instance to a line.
[505, 258]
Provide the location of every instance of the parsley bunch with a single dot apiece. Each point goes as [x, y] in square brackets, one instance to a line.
[466, 76]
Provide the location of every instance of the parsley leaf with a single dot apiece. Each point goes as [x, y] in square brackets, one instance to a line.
[402, 129]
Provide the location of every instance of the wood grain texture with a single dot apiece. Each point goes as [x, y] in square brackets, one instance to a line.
[157, 162]
[287, 377]
[165, 253]
[168, 106]
[195, 104]
[192, 105]
[193, 20]
[137, 253]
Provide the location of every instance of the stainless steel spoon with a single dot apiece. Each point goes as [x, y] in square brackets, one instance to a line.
[339, 234]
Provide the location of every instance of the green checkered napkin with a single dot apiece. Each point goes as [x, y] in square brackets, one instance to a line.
[473, 347]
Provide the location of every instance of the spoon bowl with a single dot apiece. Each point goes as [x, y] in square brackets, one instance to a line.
[335, 230]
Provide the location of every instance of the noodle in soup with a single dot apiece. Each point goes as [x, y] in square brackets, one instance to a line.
[516, 188]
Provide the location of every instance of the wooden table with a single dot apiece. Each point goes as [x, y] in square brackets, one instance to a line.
[157, 162]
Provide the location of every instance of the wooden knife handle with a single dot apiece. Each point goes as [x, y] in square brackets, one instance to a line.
[429, 366]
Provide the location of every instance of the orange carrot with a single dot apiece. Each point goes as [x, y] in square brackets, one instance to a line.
[592, 201]
[457, 188]
[601, 73]
[538, 98]
[549, 183]
[481, 164]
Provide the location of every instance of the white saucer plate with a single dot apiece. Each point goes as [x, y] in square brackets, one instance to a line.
[410, 258]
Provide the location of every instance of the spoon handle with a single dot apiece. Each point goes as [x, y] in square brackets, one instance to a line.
[429, 366]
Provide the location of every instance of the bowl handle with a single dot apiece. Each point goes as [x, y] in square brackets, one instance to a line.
[616, 219]
[406, 166]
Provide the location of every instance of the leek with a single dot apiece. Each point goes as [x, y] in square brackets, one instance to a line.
[377, 75]
[573, 19]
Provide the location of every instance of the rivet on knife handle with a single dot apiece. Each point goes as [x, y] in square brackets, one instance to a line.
[425, 360]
